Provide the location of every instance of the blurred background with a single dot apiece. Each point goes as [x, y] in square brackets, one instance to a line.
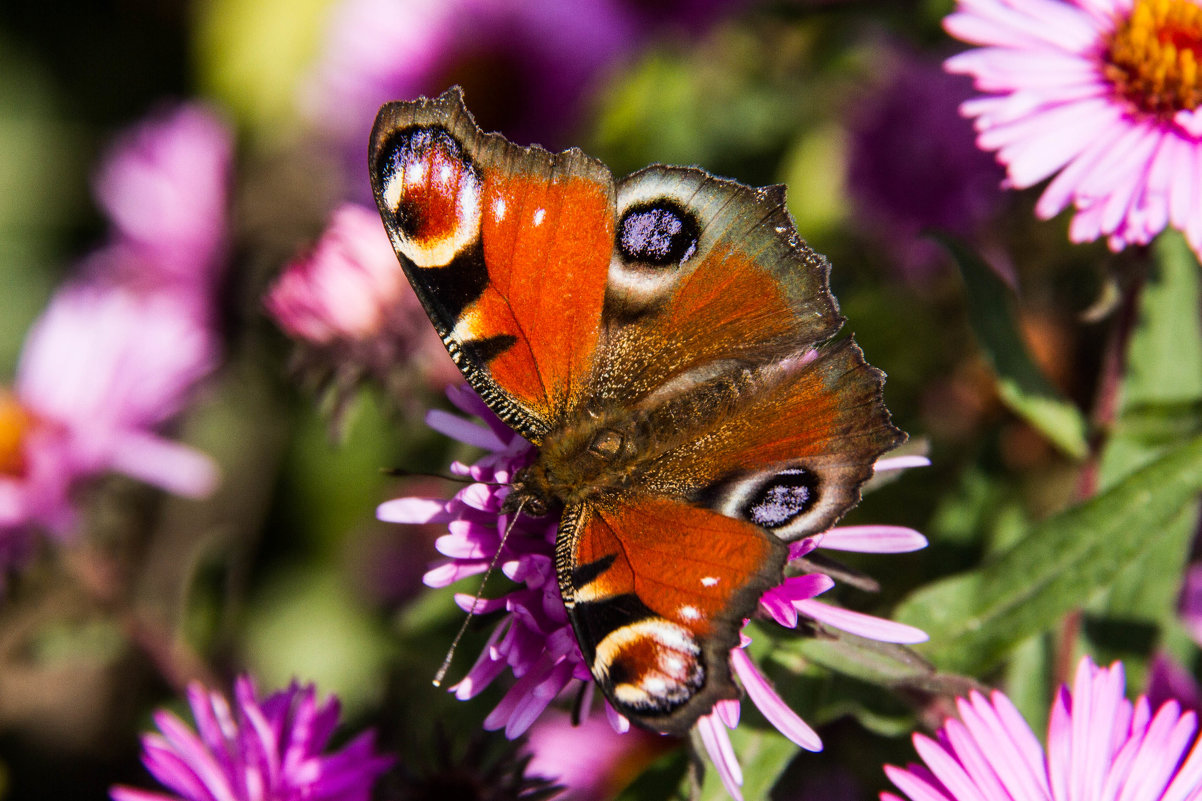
[283, 570]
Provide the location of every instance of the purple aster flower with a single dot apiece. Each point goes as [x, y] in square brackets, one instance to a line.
[258, 750]
[1103, 97]
[534, 639]
[100, 371]
[1168, 680]
[913, 164]
[1099, 746]
[164, 186]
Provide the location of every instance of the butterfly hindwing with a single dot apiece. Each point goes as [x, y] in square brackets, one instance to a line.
[657, 590]
[792, 457]
[483, 227]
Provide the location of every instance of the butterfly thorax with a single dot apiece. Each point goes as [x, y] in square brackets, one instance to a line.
[594, 454]
[610, 446]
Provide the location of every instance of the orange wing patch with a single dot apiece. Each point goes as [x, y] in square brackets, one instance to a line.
[547, 241]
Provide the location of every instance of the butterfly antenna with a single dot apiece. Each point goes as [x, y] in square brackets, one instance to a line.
[403, 472]
[446, 660]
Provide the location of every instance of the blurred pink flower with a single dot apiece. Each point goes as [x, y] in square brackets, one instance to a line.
[1099, 746]
[1103, 95]
[529, 69]
[271, 749]
[164, 185]
[101, 369]
[588, 758]
[348, 303]
[534, 639]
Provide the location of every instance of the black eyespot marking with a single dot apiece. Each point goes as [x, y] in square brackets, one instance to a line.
[783, 498]
[424, 170]
[659, 233]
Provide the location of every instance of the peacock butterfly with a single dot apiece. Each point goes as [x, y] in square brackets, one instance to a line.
[665, 343]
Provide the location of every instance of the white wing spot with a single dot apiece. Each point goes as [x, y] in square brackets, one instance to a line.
[445, 173]
[498, 209]
[415, 171]
[689, 612]
[539, 216]
[709, 581]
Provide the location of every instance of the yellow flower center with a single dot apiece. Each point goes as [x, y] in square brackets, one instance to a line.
[15, 421]
[1152, 56]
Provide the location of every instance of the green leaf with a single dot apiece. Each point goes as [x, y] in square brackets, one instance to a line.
[975, 619]
[1164, 360]
[1160, 405]
[1020, 383]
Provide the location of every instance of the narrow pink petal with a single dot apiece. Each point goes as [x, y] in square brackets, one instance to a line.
[475, 605]
[1155, 763]
[619, 722]
[479, 497]
[1010, 741]
[948, 770]
[451, 571]
[414, 510]
[184, 743]
[780, 609]
[722, 754]
[873, 539]
[534, 699]
[172, 466]
[1109, 133]
[888, 463]
[462, 430]
[874, 628]
[728, 710]
[464, 546]
[979, 760]
[770, 704]
[915, 787]
[1187, 784]
[120, 793]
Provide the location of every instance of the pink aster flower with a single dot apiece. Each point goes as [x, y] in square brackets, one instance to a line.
[101, 371]
[534, 640]
[268, 749]
[350, 308]
[164, 185]
[1103, 95]
[1100, 746]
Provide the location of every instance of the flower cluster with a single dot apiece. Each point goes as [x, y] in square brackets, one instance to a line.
[534, 639]
[1103, 95]
[261, 749]
[1099, 746]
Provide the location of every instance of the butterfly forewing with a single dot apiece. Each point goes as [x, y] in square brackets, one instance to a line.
[483, 228]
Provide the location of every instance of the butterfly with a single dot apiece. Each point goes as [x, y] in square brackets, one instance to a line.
[665, 341]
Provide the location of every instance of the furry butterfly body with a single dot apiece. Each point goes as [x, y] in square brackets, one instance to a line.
[663, 341]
